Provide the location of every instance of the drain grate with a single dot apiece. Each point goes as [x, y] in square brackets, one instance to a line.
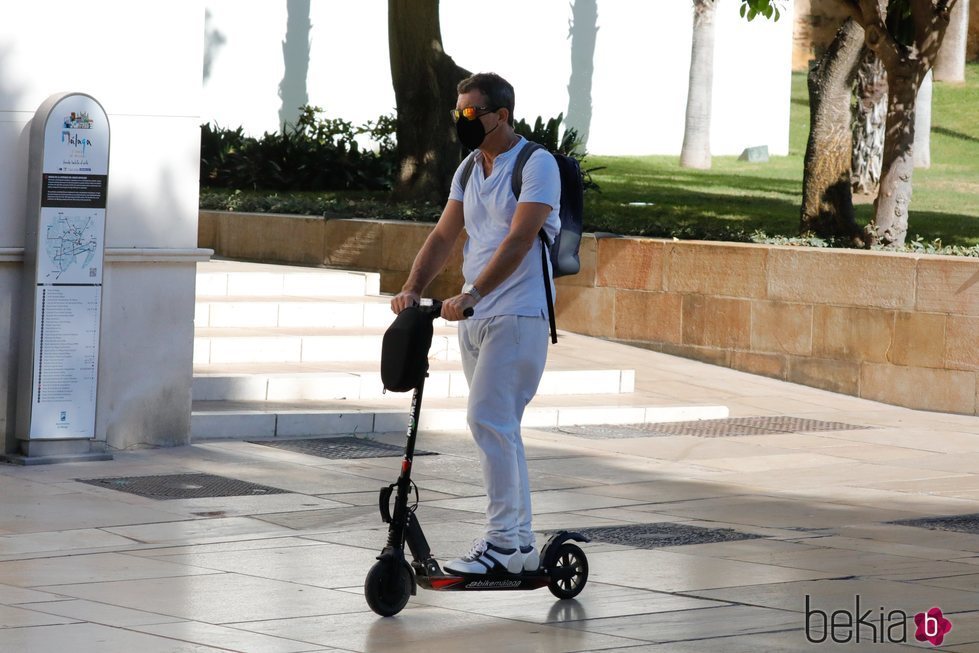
[183, 486]
[958, 523]
[708, 428]
[660, 534]
[341, 448]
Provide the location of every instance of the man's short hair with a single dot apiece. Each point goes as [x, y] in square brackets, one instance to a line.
[498, 91]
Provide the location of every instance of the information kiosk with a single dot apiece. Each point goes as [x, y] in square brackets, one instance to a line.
[63, 267]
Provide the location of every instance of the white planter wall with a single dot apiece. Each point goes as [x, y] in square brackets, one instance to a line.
[639, 88]
[142, 61]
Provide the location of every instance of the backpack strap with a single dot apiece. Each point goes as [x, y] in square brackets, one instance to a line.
[467, 169]
[516, 184]
[544, 247]
[516, 181]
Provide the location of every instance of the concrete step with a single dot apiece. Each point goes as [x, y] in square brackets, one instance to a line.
[335, 381]
[304, 345]
[285, 351]
[245, 420]
[292, 311]
[237, 278]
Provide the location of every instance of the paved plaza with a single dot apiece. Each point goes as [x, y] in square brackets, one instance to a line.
[788, 510]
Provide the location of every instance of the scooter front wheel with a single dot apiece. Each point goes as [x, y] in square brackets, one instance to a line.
[570, 572]
[388, 587]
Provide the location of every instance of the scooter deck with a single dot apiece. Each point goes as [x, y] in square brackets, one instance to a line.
[483, 582]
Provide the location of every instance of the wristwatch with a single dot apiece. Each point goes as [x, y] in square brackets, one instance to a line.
[475, 294]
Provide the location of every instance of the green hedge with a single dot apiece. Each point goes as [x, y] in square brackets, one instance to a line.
[315, 154]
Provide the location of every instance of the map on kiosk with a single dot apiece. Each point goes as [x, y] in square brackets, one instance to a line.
[71, 246]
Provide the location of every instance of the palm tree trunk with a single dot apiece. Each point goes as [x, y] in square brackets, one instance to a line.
[295, 56]
[695, 152]
[583, 33]
[894, 197]
[922, 123]
[827, 203]
[907, 63]
[950, 64]
[869, 115]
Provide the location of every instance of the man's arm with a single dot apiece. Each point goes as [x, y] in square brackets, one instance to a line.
[432, 256]
[527, 222]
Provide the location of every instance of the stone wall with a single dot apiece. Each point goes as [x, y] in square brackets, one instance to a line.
[897, 328]
[384, 246]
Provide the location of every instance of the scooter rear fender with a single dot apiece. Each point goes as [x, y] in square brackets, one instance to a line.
[548, 554]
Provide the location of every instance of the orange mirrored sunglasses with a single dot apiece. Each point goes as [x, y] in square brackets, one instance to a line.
[469, 113]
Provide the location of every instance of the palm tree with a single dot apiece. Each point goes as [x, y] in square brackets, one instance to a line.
[583, 31]
[906, 35]
[827, 202]
[695, 152]
[295, 56]
[950, 65]
[869, 115]
[922, 123]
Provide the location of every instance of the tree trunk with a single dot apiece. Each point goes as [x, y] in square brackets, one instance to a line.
[295, 56]
[696, 133]
[424, 79]
[869, 115]
[827, 204]
[922, 123]
[583, 33]
[213, 41]
[950, 64]
[908, 55]
[894, 197]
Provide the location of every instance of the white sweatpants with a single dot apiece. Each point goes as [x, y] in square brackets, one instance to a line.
[503, 359]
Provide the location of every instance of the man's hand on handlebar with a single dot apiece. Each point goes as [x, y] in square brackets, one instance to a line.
[403, 300]
[455, 308]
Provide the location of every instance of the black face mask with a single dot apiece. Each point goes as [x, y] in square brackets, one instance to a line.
[471, 133]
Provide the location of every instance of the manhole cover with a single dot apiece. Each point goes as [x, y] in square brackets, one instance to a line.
[341, 448]
[660, 534]
[183, 486]
[708, 428]
[957, 523]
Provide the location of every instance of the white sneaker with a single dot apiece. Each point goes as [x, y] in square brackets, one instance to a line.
[485, 558]
[531, 561]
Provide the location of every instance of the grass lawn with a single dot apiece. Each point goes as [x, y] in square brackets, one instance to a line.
[736, 198]
[653, 196]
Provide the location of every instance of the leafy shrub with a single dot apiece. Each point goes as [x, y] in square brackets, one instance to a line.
[568, 144]
[314, 154]
[916, 246]
[320, 204]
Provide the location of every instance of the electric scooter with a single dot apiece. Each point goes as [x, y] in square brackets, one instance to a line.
[393, 580]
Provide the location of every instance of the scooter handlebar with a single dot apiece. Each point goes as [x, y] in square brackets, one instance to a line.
[435, 309]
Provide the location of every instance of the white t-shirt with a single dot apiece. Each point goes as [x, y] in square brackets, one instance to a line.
[488, 206]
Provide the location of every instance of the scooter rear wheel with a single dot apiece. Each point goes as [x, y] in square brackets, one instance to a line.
[570, 558]
[388, 587]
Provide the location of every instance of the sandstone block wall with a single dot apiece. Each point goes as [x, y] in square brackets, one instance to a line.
[898, 328]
